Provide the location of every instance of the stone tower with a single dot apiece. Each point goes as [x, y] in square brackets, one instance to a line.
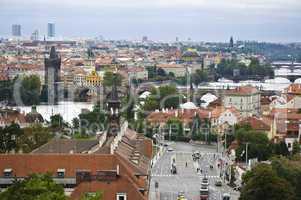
[113, 109]
[52, 76]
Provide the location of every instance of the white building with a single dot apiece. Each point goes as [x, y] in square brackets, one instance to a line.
[245, 99]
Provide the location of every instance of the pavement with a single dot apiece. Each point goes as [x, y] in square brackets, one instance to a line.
[187, 179]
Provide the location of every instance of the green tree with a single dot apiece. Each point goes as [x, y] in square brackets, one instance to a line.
[296, 148]
[280, 149]
[9, 136]
[33, 137]
[35, 187]
[163, 97]
[289, 169]
[175, 126]
[75, 123]
[262, 182]
[93, 121]
[92, 196]
[108, 79]
[259, 144]
[56, 121]
[30, 90]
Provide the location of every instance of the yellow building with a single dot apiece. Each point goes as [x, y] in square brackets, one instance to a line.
[93, 79]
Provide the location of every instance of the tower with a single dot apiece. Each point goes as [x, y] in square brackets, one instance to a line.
[52, 76]
[231, 42]
[113, 109]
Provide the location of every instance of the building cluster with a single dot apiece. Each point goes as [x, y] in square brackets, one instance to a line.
[116, 163]
[277, 116]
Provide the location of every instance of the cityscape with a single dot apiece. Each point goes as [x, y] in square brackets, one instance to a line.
[158, 106]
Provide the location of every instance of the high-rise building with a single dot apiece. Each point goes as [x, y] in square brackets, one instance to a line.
[35, 35]
[16, 30]
[51, 30]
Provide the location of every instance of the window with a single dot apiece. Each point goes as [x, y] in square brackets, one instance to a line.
[121, 196]
[7, 173]
[61, 173]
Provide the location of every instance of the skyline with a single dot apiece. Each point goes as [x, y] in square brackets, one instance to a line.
[270, 21]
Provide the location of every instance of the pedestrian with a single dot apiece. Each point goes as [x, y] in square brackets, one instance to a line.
[186, 164]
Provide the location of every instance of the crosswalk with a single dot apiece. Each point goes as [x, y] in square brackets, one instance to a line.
[162, 175]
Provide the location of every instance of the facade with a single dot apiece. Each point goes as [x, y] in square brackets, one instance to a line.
[16, 30]
[245, 99]
[51, 30]
[138, 73]
[177, 69]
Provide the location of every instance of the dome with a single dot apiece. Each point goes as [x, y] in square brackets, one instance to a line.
[208, 98]
[188, 106]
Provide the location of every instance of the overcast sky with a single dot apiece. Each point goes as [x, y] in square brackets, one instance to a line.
[201, 20]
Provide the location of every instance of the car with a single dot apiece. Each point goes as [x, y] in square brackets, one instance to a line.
[181, 196]
[218, 183]
[226, 196]
[237, 188]
[165, 144]
[204, 193]
[170, 149]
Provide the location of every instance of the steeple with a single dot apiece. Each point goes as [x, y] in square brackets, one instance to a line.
[113, 109]
[53, 53]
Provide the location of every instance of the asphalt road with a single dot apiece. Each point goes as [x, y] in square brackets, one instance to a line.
[187, 179]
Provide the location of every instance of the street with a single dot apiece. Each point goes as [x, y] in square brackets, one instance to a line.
[187, 179]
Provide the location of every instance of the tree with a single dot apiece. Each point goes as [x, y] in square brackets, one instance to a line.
[162, 97]
[259, 144]
[35, 187]
[75, 123]
[296, 148]
[161, 72]
[175, 126]
[262, 182]
[8, 137]
[289, 169]
[30, 90]
[280, 149]
[93, 121]
[33, 137]
[56, 121]
[93, 196]
[108, 79]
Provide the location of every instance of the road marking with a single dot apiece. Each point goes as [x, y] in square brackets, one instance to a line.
[162, 175]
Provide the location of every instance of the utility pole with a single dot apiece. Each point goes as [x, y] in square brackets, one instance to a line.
[247, 144]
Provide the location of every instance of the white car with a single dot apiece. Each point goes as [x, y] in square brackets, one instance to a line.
[170, 149]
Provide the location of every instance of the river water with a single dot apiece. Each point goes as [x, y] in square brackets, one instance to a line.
[68, 110]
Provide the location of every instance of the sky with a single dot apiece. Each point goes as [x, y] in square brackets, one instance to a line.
[159, 20]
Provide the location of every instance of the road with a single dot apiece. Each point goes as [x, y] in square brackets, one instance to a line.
[187, 179]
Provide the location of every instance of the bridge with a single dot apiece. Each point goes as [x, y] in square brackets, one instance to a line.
[289, 70]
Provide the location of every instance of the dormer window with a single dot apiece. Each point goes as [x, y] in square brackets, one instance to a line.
[61, 173]
[7, 173]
